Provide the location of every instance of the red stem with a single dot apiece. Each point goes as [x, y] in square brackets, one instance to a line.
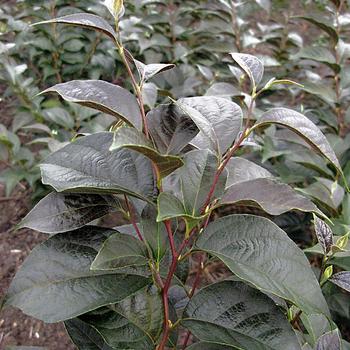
[132, 219]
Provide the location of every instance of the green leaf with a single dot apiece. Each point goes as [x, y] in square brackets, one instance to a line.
[273, 197]
[84, 336]
[318, 54]
[170, 128]
[134, 323]
[55, 282]
[303, 127]
[232, 313]
[322, 24]
[210, 346]
[251, 65]
[131, 138]
[61, 212]
[329, 341]
[119, 251]
[258, 251]
[148, 71]
[86, 20]
[323, 91]
[218, 119]
[105, 97]
[87, 166]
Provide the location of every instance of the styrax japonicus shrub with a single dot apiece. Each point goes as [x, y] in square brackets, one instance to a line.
[167, 171]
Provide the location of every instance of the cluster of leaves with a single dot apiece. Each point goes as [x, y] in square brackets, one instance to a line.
[167, 171]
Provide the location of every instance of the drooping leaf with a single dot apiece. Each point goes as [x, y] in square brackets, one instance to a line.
[342, 279]
[324, 234]
[86, 20]
[131, 138]
[316, 325]
[258, 251]
[171, 128]
[61, 212]
[134, 323]
[218, 119]
[55, 282]
[251, 65]
[241, 169]
[232, 313]
[87, 166]
[106, 97]
[303, 127]
[270, 195]
[84, 336]
[148, 71]
[329, 341]
[118, 251]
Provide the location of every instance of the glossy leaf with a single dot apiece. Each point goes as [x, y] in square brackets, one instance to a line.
[84, 336]
[303, 127]
[61, 212]
[86, 20]
[218, 119]
[273, 197]
[324, 234]
[235, 314]
[342, 280]
[131, 138]
[258, 251]
[329, 341]
[148, 71]
[87, 166]
[118, 251]
[251, 65]
[171, 128]
[105, 97]
[55, 282]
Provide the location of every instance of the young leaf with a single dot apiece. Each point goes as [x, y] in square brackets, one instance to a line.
[342, 279]
[55, 282]
[61, 212]
[273, 197]
[87, 166]
[85, 336]
[251, 65]
[303, 127]
[118, 251]
[131, 138]
[171, 128]
[148, 71]
[234, 314]
[329, 341]
[86, 20]
[218, 119]
[258, 251]
[105, 97]
[324, 234]
[115, 7]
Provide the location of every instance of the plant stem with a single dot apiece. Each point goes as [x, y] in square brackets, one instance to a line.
[132, 219]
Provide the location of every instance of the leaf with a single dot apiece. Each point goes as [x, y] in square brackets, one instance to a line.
[273, 197]
[115, 7]
[251, 65]
[148, 71]
[258, 251]
[87, 166]
[61, 212]
[324, 234]
[303, 127]
[241, 169]
[210, 346]
[234, 314]
[55, 282]
[322, 24]
[105, 97]
[135, 140]
[218, 119]
[170, 128]
[134, 323]
[84, 336]
[342, 280]
[86, 20]
[329, 341]
[118, 251]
